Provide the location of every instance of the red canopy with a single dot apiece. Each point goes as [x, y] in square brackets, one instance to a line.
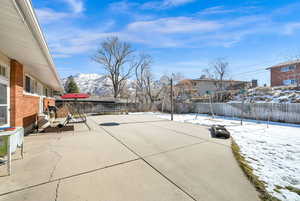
[75, 96]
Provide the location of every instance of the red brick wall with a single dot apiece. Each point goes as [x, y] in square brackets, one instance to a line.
[48, 102]
[24, 108]
[30, 109]
[16, 93]
[277, 76]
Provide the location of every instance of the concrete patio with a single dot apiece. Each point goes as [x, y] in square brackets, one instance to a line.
[138, 157]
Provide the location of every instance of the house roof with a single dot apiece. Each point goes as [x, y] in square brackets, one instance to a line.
[214, 80]
[22, 39]
[285, 64]
[75, 96]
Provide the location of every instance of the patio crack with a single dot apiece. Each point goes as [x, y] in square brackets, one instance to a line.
[56, 190]
[66, 177]
[54, 168]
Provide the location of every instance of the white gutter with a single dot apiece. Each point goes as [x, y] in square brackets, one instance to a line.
[34, 27]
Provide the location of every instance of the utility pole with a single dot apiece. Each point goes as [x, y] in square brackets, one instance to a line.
[171, 96]
[242, 91]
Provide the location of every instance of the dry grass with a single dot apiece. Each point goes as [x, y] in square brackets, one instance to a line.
[293, 189]
[290, 188]
[259, 185]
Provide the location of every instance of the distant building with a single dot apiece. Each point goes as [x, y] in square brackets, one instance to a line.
[200, 87]
[254, 83]
[287, 73]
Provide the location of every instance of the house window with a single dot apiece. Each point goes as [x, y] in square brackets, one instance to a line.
[3, 105]
[39, 89]
[31, 85]
[4, 95]
[289, 82]
[46, 91]
[288, 68]
[27, 84]
[3, 72]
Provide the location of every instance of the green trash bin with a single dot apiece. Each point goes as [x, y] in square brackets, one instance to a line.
[3, 145]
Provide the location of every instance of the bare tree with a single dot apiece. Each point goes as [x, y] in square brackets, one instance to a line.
[142, 71]
[165, 90]
[184, 89]
[147, 89]
[116, 59]
[220, 67]
[218, 71]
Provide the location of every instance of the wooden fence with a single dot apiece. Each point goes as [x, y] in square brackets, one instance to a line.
[280, 112]
[100, 107]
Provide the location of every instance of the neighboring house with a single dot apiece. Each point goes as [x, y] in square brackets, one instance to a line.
[200, 87]
[28, 77]
[287, 73]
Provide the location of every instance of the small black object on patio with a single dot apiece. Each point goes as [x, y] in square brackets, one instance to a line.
[220, 131]
[110, 124]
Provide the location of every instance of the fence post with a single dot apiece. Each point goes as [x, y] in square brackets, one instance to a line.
[172, 104]
[242, 115]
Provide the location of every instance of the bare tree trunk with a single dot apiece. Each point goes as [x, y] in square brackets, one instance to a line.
[115, 58]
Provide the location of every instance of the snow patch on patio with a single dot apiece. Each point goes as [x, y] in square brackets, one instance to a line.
[273, 150]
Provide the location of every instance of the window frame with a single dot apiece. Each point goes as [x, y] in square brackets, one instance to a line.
[5, 80]
[38, 88]
[288, 68]
[290, 82]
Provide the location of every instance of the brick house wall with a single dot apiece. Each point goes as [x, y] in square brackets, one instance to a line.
[277, 76]
[48, 102]
[30, 109]
[24, 107]
[16, 93]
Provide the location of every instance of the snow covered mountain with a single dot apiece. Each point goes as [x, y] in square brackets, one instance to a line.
[95, 84]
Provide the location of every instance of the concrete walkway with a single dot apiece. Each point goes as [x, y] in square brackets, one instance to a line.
[127, 158]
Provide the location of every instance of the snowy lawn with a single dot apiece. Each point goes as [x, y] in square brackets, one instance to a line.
[272, 151]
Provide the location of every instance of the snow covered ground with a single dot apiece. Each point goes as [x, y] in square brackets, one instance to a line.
[272, 151]
[269, 95]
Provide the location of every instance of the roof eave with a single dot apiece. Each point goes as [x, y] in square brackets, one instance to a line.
[34, 26]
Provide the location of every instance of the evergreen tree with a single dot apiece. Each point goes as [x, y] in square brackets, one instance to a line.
[71, 86]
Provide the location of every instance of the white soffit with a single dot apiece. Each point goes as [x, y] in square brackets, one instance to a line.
[21, 39]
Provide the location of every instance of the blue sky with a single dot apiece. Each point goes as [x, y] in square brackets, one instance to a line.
[181, 35]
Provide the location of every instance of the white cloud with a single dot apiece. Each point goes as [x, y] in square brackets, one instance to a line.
[180, 32]
[223, 10]
[121, 6]
[163, 32]
[173, 3]
[216, 10]
[291, 28]
[164, 4]
[174, 25]
[47, 15]
[77, 6]
[61, 55]
[194, 32]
